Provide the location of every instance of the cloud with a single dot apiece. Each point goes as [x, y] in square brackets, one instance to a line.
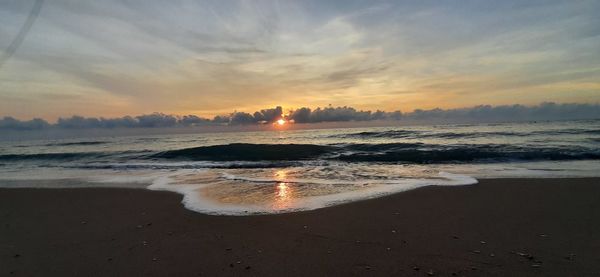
[214, 55]
[268, 115]
[242, 118]
[154, 120]
[331, 114]
[14, 124]
[193, 120]
[481, 113]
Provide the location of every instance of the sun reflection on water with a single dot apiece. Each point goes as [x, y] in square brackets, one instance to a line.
[283, 196]
[283, 193]
[282, 190]
[280, 174]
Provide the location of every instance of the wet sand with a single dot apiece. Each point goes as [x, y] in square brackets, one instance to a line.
[502, 227]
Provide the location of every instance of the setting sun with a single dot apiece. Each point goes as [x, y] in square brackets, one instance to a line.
[281, 122]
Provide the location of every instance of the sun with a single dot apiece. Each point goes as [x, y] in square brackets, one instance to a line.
[281, 122]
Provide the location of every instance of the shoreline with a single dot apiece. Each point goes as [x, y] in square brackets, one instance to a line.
[498, 227]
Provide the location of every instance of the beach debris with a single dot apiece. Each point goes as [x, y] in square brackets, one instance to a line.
[84, 222]
[154, 259]
[455, 237]
[530, 257]
[473, 268]
[248, 267]
[536, 265]
[170, 233]
[144, 243]
[476, 251]
[149, 224]
[482, 242]
[228, 249]
[543, 235]
[526, 255]
[357, 241]
[388, 249]
[17, 255]
[416, 268]
[238, 262]
[305, 227]
[430, 272]
[521, 254]
[139, 226]
[492, 255]
[230, 265]
[329, 252]
[109, 259]
[393, 231]
[367, 267]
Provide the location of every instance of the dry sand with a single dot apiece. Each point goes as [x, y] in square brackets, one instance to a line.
[503, 227]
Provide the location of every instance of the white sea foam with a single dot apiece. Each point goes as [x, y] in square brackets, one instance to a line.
[245, 191]
[197, 199]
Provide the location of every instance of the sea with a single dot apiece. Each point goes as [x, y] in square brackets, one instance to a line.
[249, 173]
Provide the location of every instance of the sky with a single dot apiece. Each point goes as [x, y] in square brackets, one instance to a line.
[116, 58]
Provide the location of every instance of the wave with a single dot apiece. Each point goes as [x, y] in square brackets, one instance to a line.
[414, 134]
[187, 165]
[248, 152]
[77, 143]
[48, 156]
[257, 198]
[426, 154]
[71, 156]
[246, 155]
[388, 152]
[382, 134]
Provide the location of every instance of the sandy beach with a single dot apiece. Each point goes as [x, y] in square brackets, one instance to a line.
[500, 227]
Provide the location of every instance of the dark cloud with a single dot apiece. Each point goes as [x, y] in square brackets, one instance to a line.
[143, 121]
[268, 115]
[301, 115]
[242, 118]
[544, 111]
[192, 120]
[156, 120]
[482, 113]
[338, 114]
[329, 114]
[221, 119]
[14, 124]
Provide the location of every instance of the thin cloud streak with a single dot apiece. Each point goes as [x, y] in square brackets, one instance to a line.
[16, 42]
[210, 56]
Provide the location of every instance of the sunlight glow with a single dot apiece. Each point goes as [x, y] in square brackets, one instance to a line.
[280, 175]
[283, 197]
[282, 190]
[281, 122]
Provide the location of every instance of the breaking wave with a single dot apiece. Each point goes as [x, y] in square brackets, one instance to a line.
[386, 152]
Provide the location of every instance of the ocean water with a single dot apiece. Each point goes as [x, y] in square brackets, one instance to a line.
[248, 173]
